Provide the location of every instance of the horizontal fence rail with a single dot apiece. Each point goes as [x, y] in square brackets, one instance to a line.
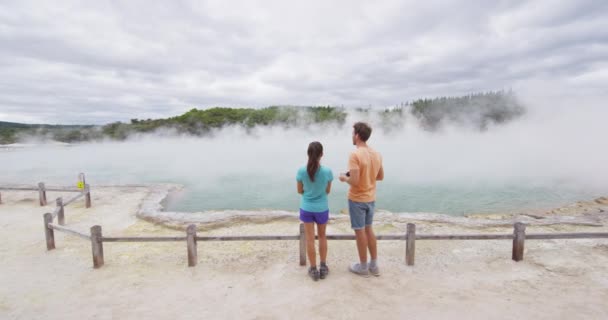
[76, 197]
[464, 237]
[410, 238]
[19, 188]
[143, 239]
[378, 237]
[543, 236]
[70, 231]
[83, 190]
[247, 238]
[59, 189]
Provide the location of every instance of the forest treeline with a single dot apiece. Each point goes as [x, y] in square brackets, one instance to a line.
[478, 110]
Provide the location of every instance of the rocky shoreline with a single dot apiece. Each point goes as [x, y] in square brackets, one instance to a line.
[582, 213]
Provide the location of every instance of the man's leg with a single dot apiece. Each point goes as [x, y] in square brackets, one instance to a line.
[357, 212]
[357, 221]
[371, 239]
[362, 245]
[371, 242]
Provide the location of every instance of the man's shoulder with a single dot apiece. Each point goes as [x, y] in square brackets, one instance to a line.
[375, 152]
[356, 153]
[359, 152]
[378, 154]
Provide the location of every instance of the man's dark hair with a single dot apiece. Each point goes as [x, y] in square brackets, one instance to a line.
[363, 130]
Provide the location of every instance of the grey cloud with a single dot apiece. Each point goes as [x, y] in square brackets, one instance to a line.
[110, 61]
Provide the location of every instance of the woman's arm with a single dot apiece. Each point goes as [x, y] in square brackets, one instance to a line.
[300, 187]
[328, 189]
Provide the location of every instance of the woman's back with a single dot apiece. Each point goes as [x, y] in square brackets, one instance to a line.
[314, 198]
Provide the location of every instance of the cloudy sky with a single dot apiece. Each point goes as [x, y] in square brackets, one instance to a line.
[102, 61]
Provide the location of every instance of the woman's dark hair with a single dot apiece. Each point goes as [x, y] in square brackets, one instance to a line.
[315, 151]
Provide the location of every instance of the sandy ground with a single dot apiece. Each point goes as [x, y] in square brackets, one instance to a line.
[558, 279]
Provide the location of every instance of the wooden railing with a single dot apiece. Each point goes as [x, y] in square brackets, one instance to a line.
[97, 239]
[42, 189]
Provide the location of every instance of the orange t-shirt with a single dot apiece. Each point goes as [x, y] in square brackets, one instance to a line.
[368, 161]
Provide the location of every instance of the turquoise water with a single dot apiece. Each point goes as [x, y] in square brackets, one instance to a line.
[446, 199]
[453, 173]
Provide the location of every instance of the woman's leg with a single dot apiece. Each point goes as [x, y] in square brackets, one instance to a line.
[322, 242]
[309, 231]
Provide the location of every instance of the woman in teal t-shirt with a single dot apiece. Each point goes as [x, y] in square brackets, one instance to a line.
[314, 184]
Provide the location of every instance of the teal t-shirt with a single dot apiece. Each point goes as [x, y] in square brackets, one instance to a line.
[314, 198]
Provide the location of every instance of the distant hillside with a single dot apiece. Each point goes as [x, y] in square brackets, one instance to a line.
[477, 110]
[201, 122]
[11, 132]
[11, 125]
[4, 124]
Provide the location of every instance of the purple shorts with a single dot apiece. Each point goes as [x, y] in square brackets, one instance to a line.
[318, 217]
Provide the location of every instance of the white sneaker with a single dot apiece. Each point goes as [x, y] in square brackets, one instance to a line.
[374, 271]
[357, 269]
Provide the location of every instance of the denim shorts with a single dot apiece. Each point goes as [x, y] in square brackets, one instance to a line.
[361, 214]
[318, 217]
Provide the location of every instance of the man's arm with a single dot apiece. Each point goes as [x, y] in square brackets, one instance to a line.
[352, 179]
[353, 171]
[380, 175]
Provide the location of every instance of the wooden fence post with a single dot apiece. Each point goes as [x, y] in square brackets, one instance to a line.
[48, 232]
[191, 241]
[60, 213]
[302, 245]
[410, 244]
[97, 246]
[42, 194]
[87, 195]
[519, 233]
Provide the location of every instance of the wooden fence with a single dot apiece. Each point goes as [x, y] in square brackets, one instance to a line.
[97, 239]
[42, 189]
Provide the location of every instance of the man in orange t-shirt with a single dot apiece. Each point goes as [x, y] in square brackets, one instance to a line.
[364, 169]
